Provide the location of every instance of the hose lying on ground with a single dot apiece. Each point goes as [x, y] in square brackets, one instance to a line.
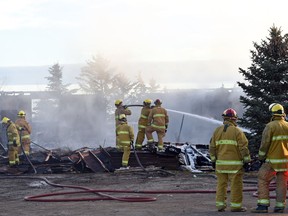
[102, 192]
[82, 189]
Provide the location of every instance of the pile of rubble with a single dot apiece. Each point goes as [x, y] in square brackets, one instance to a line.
[174, 157]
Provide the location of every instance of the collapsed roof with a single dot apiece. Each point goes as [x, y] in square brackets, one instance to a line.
[43, 161]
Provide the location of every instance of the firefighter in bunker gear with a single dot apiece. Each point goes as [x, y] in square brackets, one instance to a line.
[24, 130]
[124, 138]
[229, 151]
[120, 109]
[142, 123]
[273, 152]
[13, 141]
[158, 120]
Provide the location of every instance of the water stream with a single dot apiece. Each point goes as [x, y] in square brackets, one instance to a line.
[214, 121]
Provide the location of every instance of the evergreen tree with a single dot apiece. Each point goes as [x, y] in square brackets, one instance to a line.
[55, 80]
[266, 83]
[129, 91]
[140, 90]
[153, 86]
[96, 78]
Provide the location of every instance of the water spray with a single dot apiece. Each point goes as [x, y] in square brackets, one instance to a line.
[214, 121]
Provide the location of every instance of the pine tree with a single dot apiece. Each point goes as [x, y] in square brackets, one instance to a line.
[266, 83]
[153, 86]
[140, 90]
[55, 80]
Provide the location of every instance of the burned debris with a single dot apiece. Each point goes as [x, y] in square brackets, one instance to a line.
[63, 160]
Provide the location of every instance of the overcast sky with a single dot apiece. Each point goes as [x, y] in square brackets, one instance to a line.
[43, 32]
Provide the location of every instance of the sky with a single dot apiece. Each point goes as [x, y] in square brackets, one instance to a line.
[189, 42]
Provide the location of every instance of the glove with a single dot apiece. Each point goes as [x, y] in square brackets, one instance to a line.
[213, 165]
[246, 167]
[22, 129]
[14, 143]
[125, 106]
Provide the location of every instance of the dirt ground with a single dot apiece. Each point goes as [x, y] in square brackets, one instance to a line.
[13, 189]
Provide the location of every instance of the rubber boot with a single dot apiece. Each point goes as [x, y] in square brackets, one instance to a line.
[242, 209]
[260, 209]
[278, 210]
[221, 210]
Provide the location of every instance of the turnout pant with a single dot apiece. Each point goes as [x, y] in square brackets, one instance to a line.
[236, 185]
[140, 138]
[126, 154]
[13, 155]
[265, 175]
[26, 145]
[160, 133]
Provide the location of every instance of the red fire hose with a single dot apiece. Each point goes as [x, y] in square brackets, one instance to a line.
[103, 196]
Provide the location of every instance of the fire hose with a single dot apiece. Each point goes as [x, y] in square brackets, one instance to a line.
[26, 156]
[3, 148]
[135, 153]
[137, 158]
[100, 193]
[40, 146]
[103, 196]
[143, 168]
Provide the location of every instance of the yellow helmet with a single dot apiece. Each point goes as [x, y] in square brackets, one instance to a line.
[276, 109]
[21, 113]
[147, 101]
[118, 102]
[122, 117]
[5, 120]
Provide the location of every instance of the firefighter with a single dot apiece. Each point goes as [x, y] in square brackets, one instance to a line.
[13, 141]
[125, 138]
[120, 109]
[157, 121]
[229, 152]
[24, 130]
[274, 159]
[142, 123]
